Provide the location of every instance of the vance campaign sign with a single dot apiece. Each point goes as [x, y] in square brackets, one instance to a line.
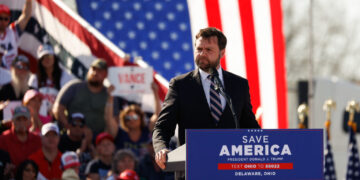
[131, 80]
[254, 154]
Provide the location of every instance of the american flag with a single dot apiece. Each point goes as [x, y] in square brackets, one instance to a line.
[353, 168]
[162, 32]
[329, 168]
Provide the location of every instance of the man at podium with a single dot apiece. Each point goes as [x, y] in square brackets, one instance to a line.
[200, 99]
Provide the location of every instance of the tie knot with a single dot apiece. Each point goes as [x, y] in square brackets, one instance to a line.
[211, 77]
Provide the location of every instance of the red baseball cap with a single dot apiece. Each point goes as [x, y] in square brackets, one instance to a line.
[128, 174]
[4, 9]
[102, 136]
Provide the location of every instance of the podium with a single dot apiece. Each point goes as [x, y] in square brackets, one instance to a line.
[176, 162]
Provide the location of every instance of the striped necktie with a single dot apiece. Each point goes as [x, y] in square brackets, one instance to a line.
[215, 102]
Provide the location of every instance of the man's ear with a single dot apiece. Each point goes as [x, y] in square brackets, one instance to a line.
[222, 53]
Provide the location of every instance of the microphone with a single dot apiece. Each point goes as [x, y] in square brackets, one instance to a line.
[218, 86]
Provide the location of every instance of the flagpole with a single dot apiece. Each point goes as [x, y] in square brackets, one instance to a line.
[310, 61]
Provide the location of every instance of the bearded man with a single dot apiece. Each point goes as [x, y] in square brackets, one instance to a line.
[88, 97]
[192, 101]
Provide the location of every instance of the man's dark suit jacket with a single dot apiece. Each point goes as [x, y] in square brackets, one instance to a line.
[186, 105]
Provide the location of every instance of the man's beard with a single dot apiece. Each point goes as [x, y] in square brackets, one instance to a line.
[20, 85]
[207, 67]
[95, 83]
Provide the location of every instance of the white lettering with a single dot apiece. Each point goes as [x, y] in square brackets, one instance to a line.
[224, 150]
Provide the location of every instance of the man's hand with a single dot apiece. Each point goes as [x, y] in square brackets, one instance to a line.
[161, 158]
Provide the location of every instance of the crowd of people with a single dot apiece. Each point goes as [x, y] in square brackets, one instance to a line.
[62, 127]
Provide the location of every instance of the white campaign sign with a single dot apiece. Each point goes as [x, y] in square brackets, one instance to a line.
[9, 109]
[130, 80]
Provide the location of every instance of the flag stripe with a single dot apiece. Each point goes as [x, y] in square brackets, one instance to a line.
[96, 46]
[264, 46]
[198, 17]
[214, 20]
[232, 30]
[248, 33]
[279, 57]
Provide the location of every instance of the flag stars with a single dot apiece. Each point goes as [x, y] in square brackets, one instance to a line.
[183, 26]
[97, 24]
[94, 5]
[107, 15]
[122, 44]
[143, 45]
[152, 35]
[165, 45]
[115, 6]
[167, 65]
[149, 16]
[185, 46]
[118, 25]
[128, 15]
[179, 7]
[131, 34]
[158, 6]
[173, 36]
[110, 34]
[134, 54]
[188, 66]
[170, 16]
[161, 25]
[137, 6]
[57, 49]
[155, 55]
[140, 25]
[176, 56]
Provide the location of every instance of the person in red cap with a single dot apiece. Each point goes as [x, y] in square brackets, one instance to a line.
[98, 168]
[128, 175]
[9, 35]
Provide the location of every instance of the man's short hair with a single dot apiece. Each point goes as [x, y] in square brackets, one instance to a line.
[211, 31]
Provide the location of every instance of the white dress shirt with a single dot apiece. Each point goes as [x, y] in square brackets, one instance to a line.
[206, 85]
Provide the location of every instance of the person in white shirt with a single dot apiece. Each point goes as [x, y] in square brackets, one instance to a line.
[50, 78]
[10, 34]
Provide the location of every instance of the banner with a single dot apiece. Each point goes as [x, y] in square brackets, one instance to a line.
[254, 154]
[130, 80]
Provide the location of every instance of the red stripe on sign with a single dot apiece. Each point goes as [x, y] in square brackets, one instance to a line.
[252, 166]
[252, 71]
[97, 48]
[279, 57]
[214, 20]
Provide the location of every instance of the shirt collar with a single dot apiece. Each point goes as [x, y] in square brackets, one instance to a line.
[204, 74]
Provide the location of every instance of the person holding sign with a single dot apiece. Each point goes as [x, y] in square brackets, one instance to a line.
[193, 100]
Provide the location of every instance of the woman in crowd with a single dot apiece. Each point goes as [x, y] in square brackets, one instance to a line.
[133, 133]
[50, 78]
[27, 170]
[49, 73]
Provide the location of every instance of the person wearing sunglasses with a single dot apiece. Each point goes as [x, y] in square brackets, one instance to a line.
[10, 34]
[131, 132]
[74, 137]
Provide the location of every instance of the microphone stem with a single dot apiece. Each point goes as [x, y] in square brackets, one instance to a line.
[220, 89]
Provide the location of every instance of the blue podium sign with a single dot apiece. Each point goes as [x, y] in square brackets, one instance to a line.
[254, 154]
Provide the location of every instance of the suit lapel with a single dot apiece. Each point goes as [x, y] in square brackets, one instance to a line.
[200, 89]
